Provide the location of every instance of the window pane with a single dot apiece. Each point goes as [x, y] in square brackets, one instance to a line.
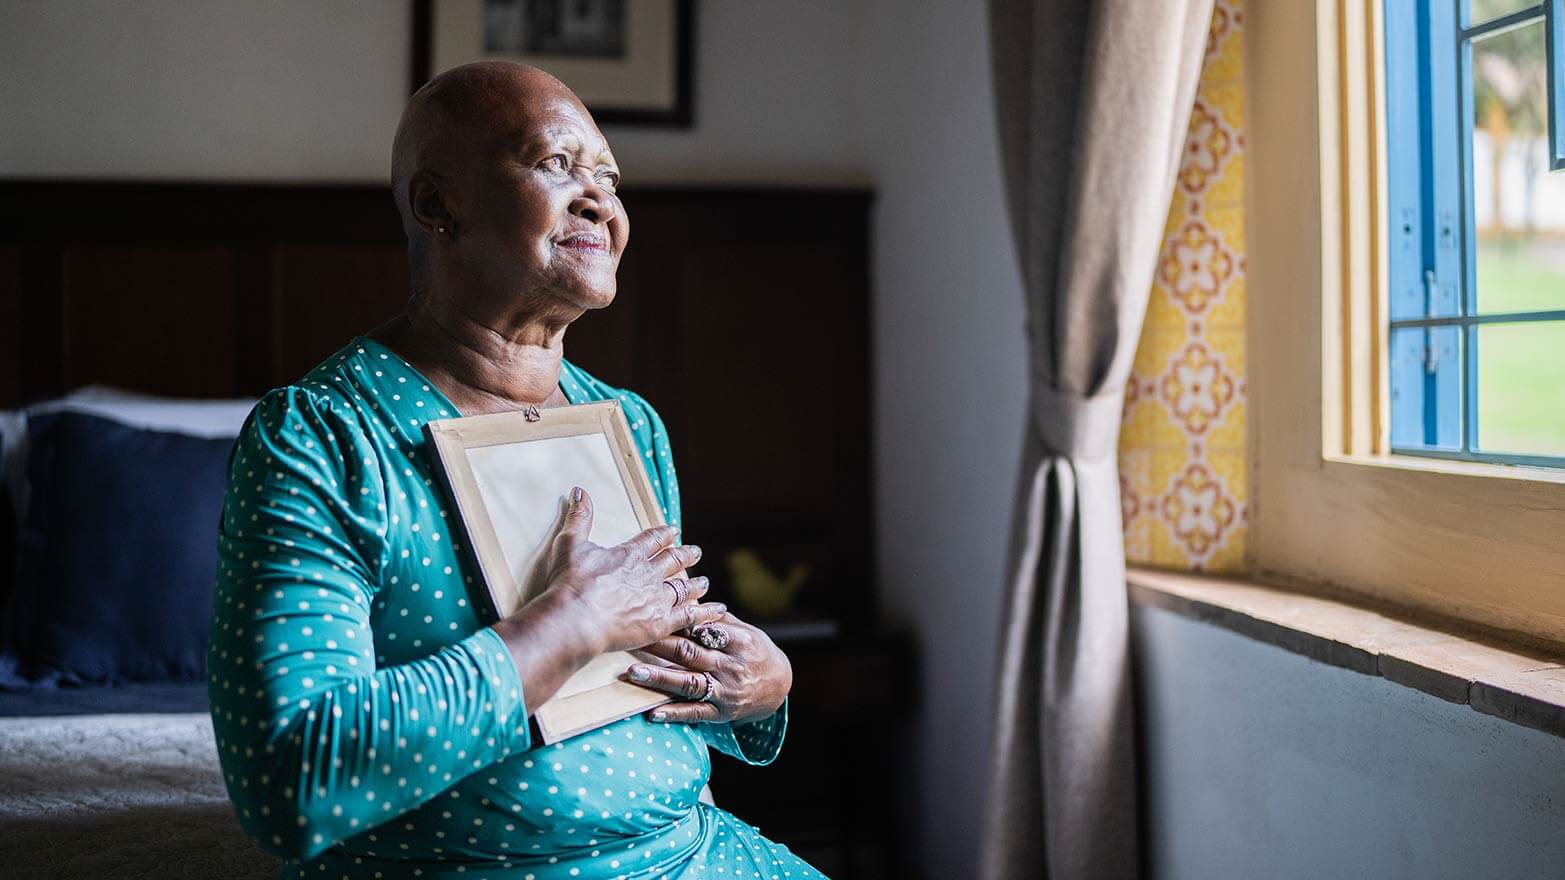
[1521, 388]
[1483, 10]
[1426, 388]
[1518, 205]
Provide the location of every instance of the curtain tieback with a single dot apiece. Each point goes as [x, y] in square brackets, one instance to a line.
[1077, 427]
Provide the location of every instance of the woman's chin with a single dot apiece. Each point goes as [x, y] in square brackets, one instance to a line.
[598, 296]
[578, 290]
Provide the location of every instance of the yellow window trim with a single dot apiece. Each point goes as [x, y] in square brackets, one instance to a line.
[1483, 544]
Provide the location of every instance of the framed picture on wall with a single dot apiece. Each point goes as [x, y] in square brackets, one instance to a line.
[628, 60]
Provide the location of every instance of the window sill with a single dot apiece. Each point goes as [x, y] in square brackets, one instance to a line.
[1512, 682]
[1527, 473]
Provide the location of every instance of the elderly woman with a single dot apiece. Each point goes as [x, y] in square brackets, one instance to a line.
[371, 713]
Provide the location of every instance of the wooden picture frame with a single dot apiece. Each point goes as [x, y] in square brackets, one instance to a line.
[651, 83]
[508, 475]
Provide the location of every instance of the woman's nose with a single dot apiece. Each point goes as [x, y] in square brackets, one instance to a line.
[594, 204]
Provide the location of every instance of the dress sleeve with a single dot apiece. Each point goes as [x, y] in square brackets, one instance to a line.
[316, 743]
[754, 742]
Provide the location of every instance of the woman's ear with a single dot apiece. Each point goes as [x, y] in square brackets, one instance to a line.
[428, 204]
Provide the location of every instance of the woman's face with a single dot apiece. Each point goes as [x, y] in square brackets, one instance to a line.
[537, 218]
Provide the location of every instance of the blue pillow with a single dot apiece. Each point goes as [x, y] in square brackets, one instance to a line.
[117, 554]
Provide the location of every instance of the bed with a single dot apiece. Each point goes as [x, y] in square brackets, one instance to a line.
[117, 782]
[102, 775]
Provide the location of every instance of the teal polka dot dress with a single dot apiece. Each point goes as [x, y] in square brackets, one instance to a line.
[368, 723]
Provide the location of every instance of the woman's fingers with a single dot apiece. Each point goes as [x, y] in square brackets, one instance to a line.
[578, 517]
[687, 712]
[678, 649]
[676, 559]
[698, 586]
[652, 541]
[695, 614]
[685, 589]
[685, 683]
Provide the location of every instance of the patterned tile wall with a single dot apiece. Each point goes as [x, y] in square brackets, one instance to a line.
[1183, 449]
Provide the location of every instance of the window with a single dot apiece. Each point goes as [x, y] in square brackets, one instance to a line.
[1470, 541]
[1475, 137]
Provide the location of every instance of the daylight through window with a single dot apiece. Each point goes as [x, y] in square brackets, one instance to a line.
[1476, 191]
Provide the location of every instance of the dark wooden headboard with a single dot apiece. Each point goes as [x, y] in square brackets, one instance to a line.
[743, 316]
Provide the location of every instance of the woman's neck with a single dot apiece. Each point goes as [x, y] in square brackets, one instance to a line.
[479, 368]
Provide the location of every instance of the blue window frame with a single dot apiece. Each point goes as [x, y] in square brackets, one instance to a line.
[1444, 395]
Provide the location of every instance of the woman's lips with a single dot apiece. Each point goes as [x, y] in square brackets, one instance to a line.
[584, 242]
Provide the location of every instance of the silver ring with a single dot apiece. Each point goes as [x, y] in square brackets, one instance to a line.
[711, 688]
[712, 636]
[681, 590]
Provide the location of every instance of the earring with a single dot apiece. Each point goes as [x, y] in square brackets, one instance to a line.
[442, 230]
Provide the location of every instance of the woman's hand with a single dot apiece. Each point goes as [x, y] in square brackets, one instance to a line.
[627, 595]
[750, 676]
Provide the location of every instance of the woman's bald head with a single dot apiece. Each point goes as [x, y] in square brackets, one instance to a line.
[447, 122]
[506, 189]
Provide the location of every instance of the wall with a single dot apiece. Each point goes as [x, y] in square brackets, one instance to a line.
[1262, 763]
[812, 92]
[297, 90]
[164, 89]
[775, 100]
[950, 392]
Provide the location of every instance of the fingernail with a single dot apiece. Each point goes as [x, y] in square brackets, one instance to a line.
[639, 673]
[719, 607]
[659, 716]
[576, 494]
[695, 550]
[702, 580]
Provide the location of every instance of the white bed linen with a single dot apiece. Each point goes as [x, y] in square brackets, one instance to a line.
[90, 796]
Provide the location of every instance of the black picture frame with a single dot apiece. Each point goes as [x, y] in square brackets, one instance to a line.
[681, 115]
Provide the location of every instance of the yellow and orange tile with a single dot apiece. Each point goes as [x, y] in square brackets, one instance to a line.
[1183, 444]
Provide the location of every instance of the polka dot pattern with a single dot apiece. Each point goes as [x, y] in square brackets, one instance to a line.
[369, 724]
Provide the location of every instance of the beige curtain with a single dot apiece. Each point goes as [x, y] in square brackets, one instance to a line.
[1093, 99]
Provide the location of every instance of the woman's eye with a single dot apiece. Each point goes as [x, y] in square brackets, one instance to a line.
[559, 162]
[609, 179]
